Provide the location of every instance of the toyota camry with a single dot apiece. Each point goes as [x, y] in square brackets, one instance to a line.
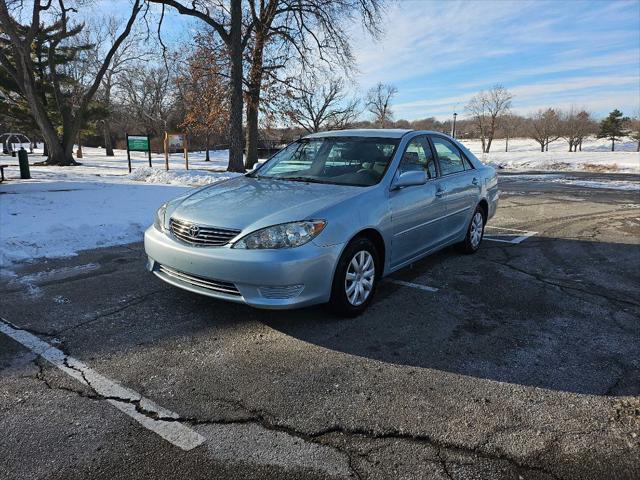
[324, 219]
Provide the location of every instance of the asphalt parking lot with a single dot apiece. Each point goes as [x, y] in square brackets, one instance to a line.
[519, 362]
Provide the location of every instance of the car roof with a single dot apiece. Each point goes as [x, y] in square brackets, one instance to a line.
[373, 132]
[363, 132]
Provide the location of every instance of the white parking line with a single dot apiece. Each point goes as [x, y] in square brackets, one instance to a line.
[518, 237]
[426, 288]
[157, 419]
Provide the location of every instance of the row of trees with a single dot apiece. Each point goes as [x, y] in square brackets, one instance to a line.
[53, 67]
[269, 62]
[490, 113]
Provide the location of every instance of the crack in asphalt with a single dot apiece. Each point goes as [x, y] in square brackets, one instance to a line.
[267, 422]
[563, 286]
[107, 313]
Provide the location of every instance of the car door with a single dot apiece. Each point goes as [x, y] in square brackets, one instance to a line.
[459, 183]
[416, 211]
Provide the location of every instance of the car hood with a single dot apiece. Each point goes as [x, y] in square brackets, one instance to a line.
[250, 203]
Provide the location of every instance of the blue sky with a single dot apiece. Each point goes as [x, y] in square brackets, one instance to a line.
[548, 53]
[439, 53]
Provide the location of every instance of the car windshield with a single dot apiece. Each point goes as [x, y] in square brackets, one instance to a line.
[360, 161]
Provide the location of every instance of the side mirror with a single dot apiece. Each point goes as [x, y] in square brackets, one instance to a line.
[410, 179]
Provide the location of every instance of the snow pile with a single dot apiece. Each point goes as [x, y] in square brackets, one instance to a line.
[57, 219]
[614, 184]
[179, 177]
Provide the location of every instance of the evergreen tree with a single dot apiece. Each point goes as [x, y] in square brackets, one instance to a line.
[612, 127]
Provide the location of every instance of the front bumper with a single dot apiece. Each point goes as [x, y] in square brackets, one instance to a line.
[285, 278]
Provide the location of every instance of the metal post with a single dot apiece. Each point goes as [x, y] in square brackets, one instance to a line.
[149, 148]
[453, 130]
[128, 153]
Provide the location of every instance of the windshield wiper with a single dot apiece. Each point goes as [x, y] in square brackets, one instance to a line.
[300, 179]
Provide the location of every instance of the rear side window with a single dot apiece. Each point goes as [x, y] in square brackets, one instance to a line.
[467, 163]
[449, 156]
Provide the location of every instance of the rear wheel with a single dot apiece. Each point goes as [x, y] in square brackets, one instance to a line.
[356, 278]
[475, 232]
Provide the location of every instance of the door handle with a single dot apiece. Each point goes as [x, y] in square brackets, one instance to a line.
[475, 181]
[440, 191]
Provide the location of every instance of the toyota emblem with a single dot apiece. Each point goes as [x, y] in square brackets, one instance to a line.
[194, 230]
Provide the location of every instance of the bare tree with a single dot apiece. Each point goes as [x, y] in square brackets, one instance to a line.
[17, 58]
[128, 55]
[509, 125]
[574, 126]
[378, 103]
[149, 96]
[485, 108]
[316, 106]
[225, 18]
[544, 127]
[309, 31]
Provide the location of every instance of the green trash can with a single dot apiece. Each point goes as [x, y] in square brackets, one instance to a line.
[23, 161]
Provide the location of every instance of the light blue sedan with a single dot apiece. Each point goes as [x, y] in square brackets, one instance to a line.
[324, 219]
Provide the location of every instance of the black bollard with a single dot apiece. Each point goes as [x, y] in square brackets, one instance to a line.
[23, 161]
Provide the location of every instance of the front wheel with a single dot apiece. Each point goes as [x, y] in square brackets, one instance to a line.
[475, 232]
[356, 278]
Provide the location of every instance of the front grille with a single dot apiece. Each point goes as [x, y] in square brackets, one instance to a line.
[201, 235]
[214, 285]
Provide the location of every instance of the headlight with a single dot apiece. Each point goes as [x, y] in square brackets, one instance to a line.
[158, 222]
[286, 235]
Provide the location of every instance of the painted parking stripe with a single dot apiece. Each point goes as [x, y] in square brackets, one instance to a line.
[518, 237]
[157, 419]
[426, 288]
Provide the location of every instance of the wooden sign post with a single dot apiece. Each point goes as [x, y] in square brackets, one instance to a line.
[186, 153]
[166, 150]
[174, 142]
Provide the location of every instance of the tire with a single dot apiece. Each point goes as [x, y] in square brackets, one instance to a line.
[350, 296]
[473, 239]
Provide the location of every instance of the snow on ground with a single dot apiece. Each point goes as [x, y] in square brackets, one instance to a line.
[62, 210]
[596, 155]
[56, 219]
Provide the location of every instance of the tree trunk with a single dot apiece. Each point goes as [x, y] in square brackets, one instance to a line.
[638, 147]
[45, 149]
[506, 144]
[106, 131]
[235, 115]
[580, 144]
[206, 155]
[483, 143]
[489, 144]
[613, 144]
[253, 99]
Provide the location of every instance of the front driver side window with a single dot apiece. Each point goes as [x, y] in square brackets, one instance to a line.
[418, 156]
